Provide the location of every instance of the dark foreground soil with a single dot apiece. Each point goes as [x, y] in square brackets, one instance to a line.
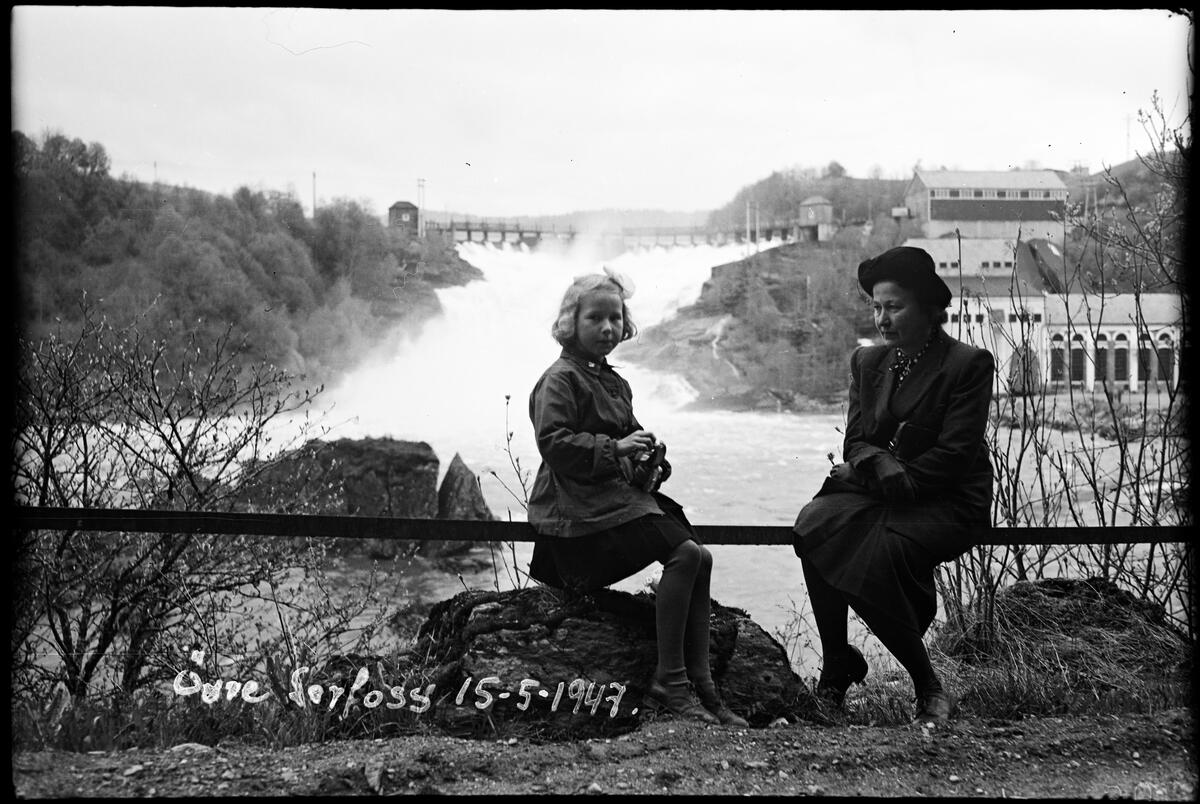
[1126, 756]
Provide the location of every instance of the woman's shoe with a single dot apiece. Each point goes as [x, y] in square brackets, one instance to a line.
[935, 707]
[837, 678]
[711, 700]
[676, 699]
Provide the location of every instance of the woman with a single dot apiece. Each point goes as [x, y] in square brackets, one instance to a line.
[596, 494]
[914, 487]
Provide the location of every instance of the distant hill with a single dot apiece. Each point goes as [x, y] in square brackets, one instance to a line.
[778, 197]
[1138, 181]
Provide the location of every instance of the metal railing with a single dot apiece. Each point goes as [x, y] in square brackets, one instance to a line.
[378, 527]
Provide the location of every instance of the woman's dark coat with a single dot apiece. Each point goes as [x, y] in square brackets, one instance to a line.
[924, 479]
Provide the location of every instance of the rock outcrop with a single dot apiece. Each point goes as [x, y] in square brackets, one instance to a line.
[460, 496]
[545, 663]
[371, 477]
[769, 332]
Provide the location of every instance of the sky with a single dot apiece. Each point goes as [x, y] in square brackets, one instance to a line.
[538, 112]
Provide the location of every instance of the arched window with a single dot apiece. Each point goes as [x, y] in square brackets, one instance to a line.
[1101, 358]
[1058, 359]
[1166, 358]
[1145, 361]
[1121, 359]
[1078, 359]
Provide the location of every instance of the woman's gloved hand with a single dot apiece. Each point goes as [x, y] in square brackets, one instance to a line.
[891, 479]
[845, 472]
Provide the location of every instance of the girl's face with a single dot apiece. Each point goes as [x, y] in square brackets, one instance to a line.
[900, 320]
[599, 323]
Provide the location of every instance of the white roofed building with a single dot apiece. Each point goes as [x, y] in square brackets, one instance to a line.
[1007, 298]
[1123, 339]
[988, 203]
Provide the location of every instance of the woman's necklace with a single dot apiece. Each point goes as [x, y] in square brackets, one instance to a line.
[904, 364]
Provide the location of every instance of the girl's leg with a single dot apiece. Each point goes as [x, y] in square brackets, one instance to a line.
[696, 645]
[673, 602]
[696, 632]
[673, 619]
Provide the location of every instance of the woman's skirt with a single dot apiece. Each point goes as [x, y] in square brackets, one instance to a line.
[882, 556]
[605, 557]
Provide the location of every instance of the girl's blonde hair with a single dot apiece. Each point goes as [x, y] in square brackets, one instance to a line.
[563, 328]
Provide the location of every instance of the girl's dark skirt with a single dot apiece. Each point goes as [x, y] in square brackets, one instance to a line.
[605, 557]
[882, 556]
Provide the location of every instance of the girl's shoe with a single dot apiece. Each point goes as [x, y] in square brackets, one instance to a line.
[837, 678]
[711, 700]
[676, 699]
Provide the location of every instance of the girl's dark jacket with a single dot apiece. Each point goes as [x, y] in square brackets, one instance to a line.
[580, 408]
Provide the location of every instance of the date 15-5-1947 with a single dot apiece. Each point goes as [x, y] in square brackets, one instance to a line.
[486, 692]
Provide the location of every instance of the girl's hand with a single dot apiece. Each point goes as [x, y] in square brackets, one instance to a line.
[636, 441]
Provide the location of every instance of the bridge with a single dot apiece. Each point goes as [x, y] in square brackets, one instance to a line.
[490, 230]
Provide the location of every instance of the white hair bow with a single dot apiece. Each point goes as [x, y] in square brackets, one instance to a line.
[623, 282]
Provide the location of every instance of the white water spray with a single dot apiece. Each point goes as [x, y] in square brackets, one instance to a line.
[447, 384]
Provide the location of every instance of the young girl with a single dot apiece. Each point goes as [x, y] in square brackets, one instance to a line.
[596, 494]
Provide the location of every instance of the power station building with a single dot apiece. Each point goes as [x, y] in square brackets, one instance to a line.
[995, 239]
[990, 204]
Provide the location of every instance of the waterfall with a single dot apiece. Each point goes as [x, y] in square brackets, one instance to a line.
[447, 384]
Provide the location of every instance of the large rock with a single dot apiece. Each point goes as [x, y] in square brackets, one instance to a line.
[594, 654]
[460, 496]
[382, 477]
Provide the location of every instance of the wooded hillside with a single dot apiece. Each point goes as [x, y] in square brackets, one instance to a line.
[306, 294]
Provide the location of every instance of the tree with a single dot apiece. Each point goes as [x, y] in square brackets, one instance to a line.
[106, 418]
[834, 170]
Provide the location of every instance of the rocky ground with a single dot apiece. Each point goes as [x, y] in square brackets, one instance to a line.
[1125, 755]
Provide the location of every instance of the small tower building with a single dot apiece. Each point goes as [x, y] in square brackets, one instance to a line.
[405, 215]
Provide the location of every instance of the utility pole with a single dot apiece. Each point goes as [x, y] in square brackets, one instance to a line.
[420, 207]
[747, 227]
[757, 229]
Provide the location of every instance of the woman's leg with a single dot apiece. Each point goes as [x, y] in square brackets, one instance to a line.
[905, 643]
[831, 611]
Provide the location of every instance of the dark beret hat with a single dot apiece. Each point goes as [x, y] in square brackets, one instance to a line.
[908, 267]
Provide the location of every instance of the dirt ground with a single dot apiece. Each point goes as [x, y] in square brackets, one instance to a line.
[1135, 756]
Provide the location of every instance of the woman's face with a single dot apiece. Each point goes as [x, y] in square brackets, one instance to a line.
[599, 323]
[900, 320]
